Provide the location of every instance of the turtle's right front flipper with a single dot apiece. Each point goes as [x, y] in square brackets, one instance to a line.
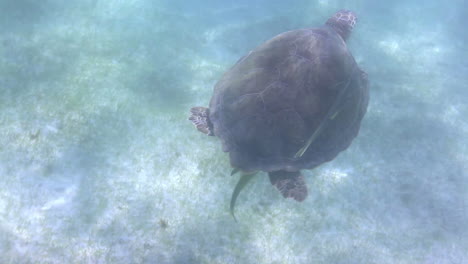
[200, 118]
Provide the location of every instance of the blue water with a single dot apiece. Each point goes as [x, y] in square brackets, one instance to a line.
[99, 164]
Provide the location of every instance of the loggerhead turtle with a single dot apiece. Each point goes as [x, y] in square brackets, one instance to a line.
[292, 103]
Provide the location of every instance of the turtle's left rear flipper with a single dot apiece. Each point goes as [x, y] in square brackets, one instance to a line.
[200, 118]
[290, 184]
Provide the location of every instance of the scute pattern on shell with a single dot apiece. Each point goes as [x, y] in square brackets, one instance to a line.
[270, 102]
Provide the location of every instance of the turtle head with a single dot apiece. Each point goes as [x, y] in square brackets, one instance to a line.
[343, 22]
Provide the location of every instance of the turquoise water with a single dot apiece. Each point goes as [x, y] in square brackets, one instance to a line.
[99, 164]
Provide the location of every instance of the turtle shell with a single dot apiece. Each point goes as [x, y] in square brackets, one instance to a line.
[270, 103]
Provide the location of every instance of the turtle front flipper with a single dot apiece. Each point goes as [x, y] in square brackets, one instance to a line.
[200, 117]
[290, 184]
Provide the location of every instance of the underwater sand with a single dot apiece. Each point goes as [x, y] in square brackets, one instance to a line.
[99, 164]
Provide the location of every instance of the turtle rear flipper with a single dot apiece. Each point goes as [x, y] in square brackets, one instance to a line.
[200, 118]
[290, 184]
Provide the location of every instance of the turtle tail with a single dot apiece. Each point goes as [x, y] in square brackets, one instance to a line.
[290, 184]
[200, 118]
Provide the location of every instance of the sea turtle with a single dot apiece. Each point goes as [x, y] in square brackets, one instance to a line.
[292, 103]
